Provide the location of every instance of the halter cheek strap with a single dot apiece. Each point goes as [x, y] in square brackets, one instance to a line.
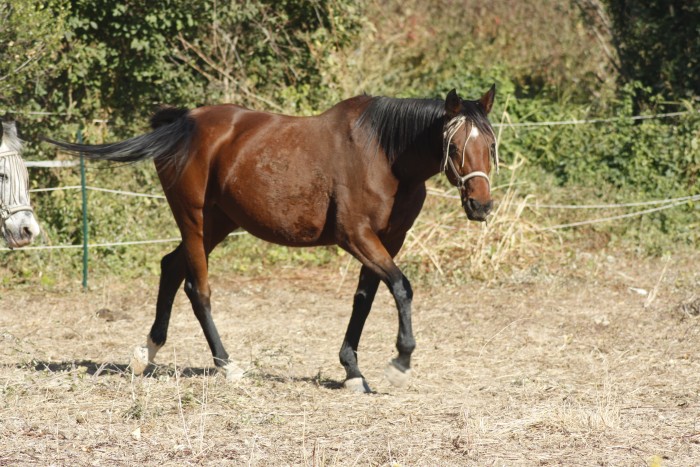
[15, 164]
[450, 131]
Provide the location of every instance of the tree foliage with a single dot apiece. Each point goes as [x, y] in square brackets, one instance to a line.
[658, 43]
[116, 61]
[30, 42]
[103, 66]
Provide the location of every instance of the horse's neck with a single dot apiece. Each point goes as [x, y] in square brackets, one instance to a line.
[421, 161]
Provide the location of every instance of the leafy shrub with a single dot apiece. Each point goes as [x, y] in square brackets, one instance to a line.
[105, 62]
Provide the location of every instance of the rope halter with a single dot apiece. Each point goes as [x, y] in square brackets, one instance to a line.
[14, 181]
[450, 131]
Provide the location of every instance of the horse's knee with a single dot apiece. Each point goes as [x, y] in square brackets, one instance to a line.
[199, 298]
[195, 293]
[362, 301]
[401, 288]
[189, 289]
[406, 288]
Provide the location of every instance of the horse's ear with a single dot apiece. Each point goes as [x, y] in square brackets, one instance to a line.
[453, 104]
[488, 98]
[9, 126]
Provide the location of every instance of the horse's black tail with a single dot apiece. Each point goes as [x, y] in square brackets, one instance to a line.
[169, 141]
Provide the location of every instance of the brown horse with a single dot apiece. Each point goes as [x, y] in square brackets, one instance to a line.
[353, 176]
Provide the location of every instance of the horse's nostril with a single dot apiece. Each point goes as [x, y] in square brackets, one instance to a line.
[27, 232]
[477, 206]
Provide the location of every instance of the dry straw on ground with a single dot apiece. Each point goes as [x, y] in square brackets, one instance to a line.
[560, 366]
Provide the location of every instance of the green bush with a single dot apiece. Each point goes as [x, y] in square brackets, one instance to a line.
[103, 67]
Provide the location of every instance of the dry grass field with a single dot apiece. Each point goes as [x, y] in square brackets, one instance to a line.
[568, 365]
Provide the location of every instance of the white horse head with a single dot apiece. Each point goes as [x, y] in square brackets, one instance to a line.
[19, 227]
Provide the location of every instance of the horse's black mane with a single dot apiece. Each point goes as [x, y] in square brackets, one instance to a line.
[398, 124]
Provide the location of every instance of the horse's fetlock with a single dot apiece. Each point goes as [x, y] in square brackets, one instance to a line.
[406, 346]
[158, 337]
[348, 356]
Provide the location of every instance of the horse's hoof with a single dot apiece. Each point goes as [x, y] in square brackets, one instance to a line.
[357, 385]
[397, 377]
[233, 372]
[139, 360]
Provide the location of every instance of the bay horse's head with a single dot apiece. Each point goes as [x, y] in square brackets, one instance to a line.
[469, 146]
[17, 222]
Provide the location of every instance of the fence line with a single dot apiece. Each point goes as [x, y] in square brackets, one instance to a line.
[593, 120]
[58, 188]
[94, 188]
[682, 199]
[667, 204]
[125, 193]
[109, 244]
[619, 205]
[611, 218]
[51, 164]
[431, 191]
[671, 203]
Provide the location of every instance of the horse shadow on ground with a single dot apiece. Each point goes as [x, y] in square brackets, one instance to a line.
[318, 380]
[97, 369]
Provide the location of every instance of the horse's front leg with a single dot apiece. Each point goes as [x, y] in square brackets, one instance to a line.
[398, 371]
[362, 304]
[377, 259]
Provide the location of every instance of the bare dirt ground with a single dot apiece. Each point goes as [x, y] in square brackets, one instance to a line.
[571, 366]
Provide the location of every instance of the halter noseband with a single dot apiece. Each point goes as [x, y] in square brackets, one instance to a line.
[7, 210]
[450, 131]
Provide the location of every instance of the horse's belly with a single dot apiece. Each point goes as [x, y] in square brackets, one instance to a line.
[291, 227]
[279, 213]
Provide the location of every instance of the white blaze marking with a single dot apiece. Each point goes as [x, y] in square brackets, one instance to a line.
[475, 132]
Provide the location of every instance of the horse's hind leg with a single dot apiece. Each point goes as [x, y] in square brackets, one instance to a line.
[174, 270]
[197, 249]
[172, 274]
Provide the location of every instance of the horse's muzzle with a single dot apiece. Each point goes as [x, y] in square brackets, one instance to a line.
[20, 229]
[477, 211]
